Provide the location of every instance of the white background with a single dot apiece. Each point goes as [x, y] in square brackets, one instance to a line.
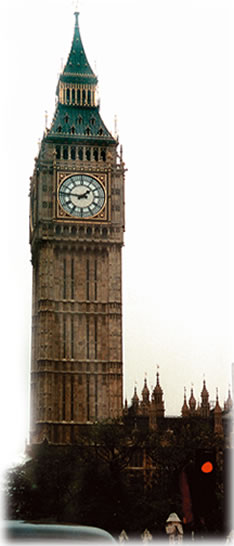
[166, 69]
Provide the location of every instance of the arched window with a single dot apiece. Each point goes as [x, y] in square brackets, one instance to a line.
[73, 152]
[100, 132]
[88, 154]
[73, 130]
[87, 131]
[95, 154]
[80, 153]
[65, 152]
[58, 152]
[103, 154]
[84, 96]
[89, 97]
[68, 96]
[59, 129]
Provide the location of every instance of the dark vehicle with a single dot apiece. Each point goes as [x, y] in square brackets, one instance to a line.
[21, 530]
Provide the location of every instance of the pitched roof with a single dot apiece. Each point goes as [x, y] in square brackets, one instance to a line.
[77, 68]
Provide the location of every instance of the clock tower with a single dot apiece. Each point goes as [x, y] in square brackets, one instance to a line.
[76, 237]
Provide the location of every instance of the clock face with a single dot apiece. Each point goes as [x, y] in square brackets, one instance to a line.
[82, 196]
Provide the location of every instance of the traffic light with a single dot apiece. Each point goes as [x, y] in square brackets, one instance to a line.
[204, 497]
[198, 484]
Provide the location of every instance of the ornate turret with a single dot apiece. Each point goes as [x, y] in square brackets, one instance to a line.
[218, 427]
[135, 400]
[228, 404]
[157, 399]
[145, 393]
[192, 403]
[205, 406]
[145, 399]
[185, 408]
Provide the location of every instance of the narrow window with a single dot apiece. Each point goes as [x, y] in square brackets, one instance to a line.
[87, 337]
[66, 118]
[73, 130]
[68, 97]
[95, 154]
[78, 96]
[72, 336]
[80, 154]
[88, 154]
[84, 96]
[87, 131]
[72, 278]
[65, 152]
[72, 397]
[95, 338]
[87, 279]
[92, 121]
[73, 96]
[80, 120]
[73, 152]
[100, 132]
[95, 280]
[64, 399]
[103, 154]
[59, 129]
[64, 337]
[58, 152]
[64, 278]
[89, 97]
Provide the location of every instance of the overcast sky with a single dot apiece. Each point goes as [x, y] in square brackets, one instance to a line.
[166, 69]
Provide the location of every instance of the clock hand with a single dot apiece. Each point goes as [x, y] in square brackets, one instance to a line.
[79, 196]
[83, 195]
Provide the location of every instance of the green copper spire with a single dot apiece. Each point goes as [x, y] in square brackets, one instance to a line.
[77, 69]
[77, 113]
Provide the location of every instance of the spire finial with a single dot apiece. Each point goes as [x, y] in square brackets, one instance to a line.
[76, 5]
[76, 13]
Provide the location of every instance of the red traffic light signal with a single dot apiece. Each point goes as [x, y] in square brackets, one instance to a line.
[207, 467]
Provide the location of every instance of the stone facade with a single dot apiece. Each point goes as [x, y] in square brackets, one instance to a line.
[76, 369]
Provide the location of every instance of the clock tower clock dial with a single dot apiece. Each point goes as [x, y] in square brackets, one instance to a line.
[81, 196]
[76, 237]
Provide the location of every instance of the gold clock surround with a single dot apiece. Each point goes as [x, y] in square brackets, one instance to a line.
[102, 216]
